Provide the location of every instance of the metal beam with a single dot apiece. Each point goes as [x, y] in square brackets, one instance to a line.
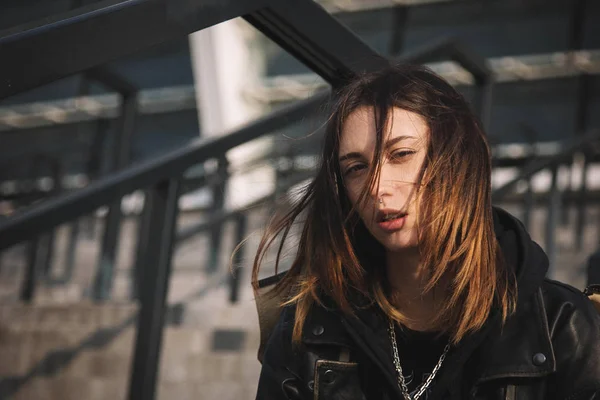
[111, 80]
[476, 65]
[452, 49]
[308, 32]
[568, 149]
[43, 51]
[44, 216]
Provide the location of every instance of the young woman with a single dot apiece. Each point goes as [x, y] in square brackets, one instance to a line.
[407, 283]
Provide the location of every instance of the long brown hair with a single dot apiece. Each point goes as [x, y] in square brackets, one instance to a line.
[336, 254]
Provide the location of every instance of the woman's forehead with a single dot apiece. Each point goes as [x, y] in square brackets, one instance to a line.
[359, 132]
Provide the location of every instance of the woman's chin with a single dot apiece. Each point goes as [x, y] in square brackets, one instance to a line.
[398, 243]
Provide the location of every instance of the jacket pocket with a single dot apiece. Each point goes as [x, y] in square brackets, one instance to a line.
[337, 380]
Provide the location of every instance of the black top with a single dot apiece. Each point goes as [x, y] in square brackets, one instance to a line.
[419, 352]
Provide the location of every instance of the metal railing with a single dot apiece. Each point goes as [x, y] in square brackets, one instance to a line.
[584, 145]
[443, 49]
[161, 179]
[37, 53]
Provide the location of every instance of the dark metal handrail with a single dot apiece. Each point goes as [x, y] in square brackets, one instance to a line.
[189, 232]
[570, 148]
[53, 212]
[553, 205]
[61, 45]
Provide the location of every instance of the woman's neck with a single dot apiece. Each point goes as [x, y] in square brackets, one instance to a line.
[407, 282]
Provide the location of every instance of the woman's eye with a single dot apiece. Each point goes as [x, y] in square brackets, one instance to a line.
[355, 168]
[401, 154]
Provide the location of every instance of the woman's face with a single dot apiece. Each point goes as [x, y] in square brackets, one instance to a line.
[390, 209]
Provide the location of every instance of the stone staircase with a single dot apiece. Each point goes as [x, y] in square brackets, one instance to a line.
[85, 351]
[63, 347]
[58, 352]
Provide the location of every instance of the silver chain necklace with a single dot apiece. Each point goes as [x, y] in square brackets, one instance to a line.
[401, 383]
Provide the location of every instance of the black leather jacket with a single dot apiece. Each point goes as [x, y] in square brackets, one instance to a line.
[548, 349]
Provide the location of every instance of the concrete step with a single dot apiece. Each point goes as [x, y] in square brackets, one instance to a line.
[55, 317]
[85, 351]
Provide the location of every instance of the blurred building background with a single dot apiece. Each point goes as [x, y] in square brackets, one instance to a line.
[137, 150]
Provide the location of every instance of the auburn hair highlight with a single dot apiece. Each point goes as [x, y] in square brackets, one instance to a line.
[339, 260]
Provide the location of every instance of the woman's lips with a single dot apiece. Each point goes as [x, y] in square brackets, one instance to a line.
[393, 224]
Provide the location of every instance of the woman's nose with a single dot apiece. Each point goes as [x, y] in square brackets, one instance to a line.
[383, 184]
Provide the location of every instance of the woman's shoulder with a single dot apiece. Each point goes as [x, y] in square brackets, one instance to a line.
[574, 329]
[561, 298]
[568, 308]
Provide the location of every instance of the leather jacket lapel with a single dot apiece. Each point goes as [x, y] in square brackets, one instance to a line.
[523, 348]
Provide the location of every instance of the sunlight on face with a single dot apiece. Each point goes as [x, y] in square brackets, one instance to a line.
[390, 210]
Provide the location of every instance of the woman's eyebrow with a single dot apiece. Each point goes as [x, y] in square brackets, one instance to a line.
[388, 144]
[349, 156]
[397, 139]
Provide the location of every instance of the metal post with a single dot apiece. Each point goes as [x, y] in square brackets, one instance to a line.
[484, 99]
[45, 254]
[218, 192]
[575, 37]
[529, 197]
[398, 29]
[238, 258]
[552, 220]
[581, 125]
[528, 204]
[580, 203]
[112, 227]
[576, 31]
[31, 274]
[283, 169]
[96, 150]
[30, 278]
[71, 251]
[47, 242]
[163, 212]
[143, 240]
[565, 212]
